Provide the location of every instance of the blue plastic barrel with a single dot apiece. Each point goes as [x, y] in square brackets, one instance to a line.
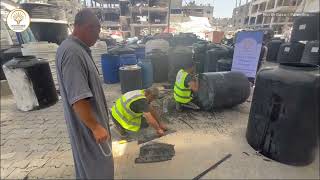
[128, 59]
[147, 72]
[110, 68]
[140, 52]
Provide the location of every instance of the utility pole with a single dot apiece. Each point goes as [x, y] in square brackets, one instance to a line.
[169, 13]
[149, 17]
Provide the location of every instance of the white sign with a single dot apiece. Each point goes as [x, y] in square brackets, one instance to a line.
[18, 20]
[247, 52]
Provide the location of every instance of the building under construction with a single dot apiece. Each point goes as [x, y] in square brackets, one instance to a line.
[133, 18]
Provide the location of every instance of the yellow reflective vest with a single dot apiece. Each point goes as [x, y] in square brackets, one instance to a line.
[122, 112]
[182, 94]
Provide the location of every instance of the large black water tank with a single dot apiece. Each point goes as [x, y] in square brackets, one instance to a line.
[160, 65]
[224, 65]
[213, 56]
[178, 58]
[130, 78]
[273, 49]
[305, 28]
[31, 82]
[222, 89]
[284, 116]
[311, 53]
[290, 52]
[199, 55]
[7, 55]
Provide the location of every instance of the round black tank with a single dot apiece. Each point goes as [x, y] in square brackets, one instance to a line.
[199, 55]
[130, 78]
[159, 61]
[273, 49]
[224, 65]
[284, 116]
[306, 28]
[213, 56]
[178, 57]
[222, 89]
[31, 82]
[290, 52]
[311, 53]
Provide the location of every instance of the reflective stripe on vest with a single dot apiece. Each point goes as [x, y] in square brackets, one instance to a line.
[182, 94]
[122, 113]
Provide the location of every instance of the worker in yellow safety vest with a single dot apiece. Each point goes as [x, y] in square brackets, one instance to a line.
[186, 83]
[129, 110]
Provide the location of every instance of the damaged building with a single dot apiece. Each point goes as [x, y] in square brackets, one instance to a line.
[132, 18]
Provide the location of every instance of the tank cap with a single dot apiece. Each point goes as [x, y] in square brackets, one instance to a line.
[21, 62]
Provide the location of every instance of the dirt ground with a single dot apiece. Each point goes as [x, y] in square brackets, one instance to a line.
[36, 144]
[202, 139]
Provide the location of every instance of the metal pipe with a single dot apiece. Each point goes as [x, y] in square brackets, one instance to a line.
[169, 13]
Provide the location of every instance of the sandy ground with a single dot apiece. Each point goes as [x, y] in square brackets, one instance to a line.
[212, 136]
[39, 140]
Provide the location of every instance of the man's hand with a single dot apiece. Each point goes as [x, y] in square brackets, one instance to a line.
[163, 127]
[100, 134]
[160, 132]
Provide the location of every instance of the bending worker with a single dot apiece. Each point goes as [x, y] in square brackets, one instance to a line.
[186, 83]
[129, 110]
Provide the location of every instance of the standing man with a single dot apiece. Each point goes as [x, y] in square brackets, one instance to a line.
[85, 106]
[128, 110]
[184, 86]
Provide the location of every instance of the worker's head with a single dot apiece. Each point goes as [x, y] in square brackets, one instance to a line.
[189, 67]
[151, 94]
[87, 27]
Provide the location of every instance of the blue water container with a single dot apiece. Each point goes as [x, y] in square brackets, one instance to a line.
[147, 72]
[110, 68]
[128, 59]
[140, 52]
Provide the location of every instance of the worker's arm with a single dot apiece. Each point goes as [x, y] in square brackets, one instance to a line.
[83, 109]
[157, 117]
[153, 122]
[194, 85]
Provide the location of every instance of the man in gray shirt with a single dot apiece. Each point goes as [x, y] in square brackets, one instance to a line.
[85, 106]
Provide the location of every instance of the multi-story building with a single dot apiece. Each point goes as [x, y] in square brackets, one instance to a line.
[191, 9]
[275, 14]
[132, 17]
[240, 15]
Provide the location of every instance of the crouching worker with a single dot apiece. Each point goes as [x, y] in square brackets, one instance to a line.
[133, 111]
[186, 84]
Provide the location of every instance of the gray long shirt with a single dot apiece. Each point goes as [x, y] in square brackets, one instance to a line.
[79, 79]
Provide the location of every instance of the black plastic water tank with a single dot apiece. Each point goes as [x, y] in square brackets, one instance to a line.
[311, 53]
[178, 57]
[222, 89]
[290, 52]
[284, 117]
[273, 49]
[160, 65]
[224, 65]
[130, 78]
[213, 56]
[305, 28]
[199, 55]
[31, 82]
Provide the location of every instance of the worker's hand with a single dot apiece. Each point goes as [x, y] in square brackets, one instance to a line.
[100, 134]
[163, 126]
[160, 132]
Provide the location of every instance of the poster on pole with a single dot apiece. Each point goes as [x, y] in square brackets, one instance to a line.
[247, 52]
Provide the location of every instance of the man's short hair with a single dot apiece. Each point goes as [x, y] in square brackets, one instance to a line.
[83, 16]
[153, 91]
